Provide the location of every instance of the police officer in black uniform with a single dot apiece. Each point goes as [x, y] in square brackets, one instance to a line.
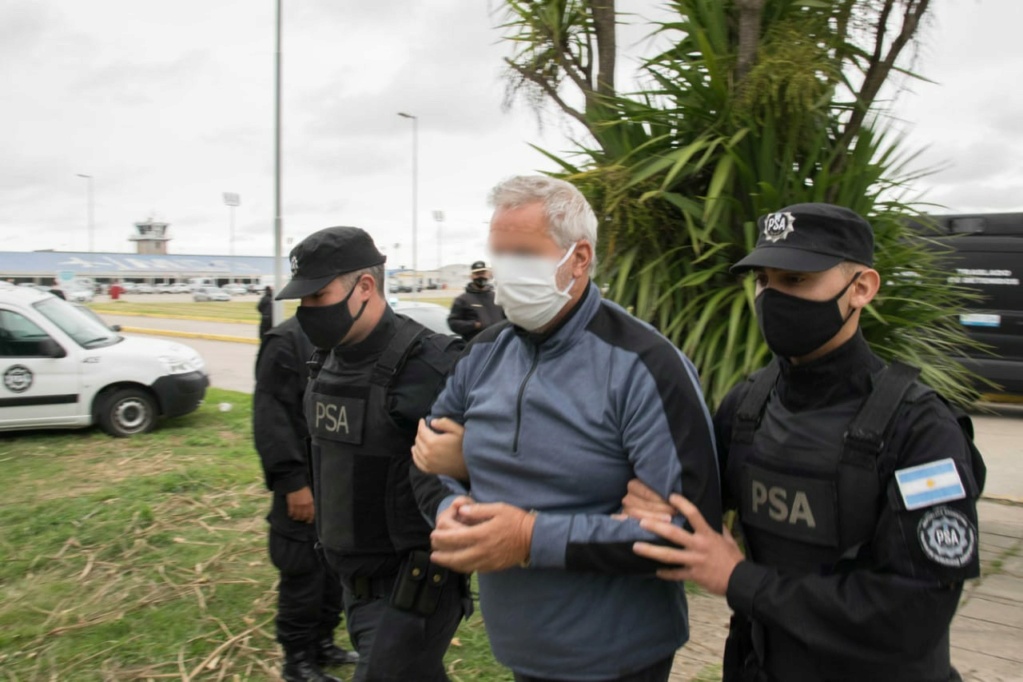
[475, 309]
[376, 375]
[309, 592]
[855, 484]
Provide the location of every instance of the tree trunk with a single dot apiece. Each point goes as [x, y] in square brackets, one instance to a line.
[604, 18]
[749, 36]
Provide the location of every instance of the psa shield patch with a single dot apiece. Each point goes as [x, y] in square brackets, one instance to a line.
[947, 537]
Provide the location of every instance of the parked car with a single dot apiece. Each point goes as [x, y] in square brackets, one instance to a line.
[62, 368]
[144, 288]
[210, 294]
[164, 288]
[236, 289]
[432, 316]
[130, 287]
[181, 288]
[397, 288]
[78, 294]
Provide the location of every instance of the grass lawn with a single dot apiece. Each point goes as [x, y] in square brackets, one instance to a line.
[223, 311]
[145, 558]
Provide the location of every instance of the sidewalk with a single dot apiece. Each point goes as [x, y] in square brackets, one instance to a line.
[987, 633]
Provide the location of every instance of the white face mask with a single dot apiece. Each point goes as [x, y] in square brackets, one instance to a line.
[527, 288]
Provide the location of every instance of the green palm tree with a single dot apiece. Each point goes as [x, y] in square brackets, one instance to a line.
[757, 104]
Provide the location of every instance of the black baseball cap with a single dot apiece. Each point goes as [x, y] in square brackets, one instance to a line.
[478, 266]
[810, 238]
[324, 255]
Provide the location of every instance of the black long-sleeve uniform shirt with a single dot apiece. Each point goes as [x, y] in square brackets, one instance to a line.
[874, 617]
[475, 305]
[278, 424]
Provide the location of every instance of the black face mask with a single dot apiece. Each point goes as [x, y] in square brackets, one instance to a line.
[481, 282]
[793, 326]
[327, 325]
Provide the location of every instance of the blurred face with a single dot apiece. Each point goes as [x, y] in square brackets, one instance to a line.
[523, 231]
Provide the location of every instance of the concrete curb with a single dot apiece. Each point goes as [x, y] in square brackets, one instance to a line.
[1004, 499]
[175, 317]
[190, 335]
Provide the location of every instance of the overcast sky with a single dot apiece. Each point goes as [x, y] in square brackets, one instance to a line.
[169, 104]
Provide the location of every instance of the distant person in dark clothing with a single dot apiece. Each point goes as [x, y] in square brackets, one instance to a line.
[475, 310]
[57, 291]
[310, 595]
[265, 308]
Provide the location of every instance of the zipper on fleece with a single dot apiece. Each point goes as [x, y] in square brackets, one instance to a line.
[522, 391]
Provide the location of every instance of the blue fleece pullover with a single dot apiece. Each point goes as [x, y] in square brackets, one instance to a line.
[559, 425]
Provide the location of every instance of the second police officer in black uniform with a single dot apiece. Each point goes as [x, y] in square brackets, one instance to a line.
[474, 310]
[855, 484]
[309, 593]
[376, 375]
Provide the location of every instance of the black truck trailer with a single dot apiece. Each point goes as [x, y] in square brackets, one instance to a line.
[987, 257]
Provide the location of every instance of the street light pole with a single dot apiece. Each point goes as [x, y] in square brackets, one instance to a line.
[277, 310]
[439, 217]
[232, 200]
[90, 203]
[415, 196]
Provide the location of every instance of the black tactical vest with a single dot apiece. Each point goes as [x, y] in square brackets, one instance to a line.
[809, 490]
[360, 457]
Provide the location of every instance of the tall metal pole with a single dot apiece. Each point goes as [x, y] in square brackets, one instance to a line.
[415, 197]
[439, 217]
[233, 200]
[91, 203]
[277, 314]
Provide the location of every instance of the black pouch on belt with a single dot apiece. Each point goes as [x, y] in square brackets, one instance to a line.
[419, 585]
[429, 597]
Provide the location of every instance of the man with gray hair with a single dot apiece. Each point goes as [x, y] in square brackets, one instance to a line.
[555, 411]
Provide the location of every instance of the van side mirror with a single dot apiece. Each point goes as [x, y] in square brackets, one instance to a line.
[115, 327]
[48, 348]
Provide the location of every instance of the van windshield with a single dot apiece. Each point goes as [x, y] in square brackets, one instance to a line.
[85, 330]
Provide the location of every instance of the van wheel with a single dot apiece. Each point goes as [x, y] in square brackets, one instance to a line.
[127, 412]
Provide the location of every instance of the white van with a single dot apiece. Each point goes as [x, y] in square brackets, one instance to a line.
[196, 283]
[62, 368]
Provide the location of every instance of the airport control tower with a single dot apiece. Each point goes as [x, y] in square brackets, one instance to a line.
[150, 237]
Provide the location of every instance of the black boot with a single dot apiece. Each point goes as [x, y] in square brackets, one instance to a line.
[299, 666]
[329, 654]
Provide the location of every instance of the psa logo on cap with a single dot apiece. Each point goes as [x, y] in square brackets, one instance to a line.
[294, 265]
[778, 226]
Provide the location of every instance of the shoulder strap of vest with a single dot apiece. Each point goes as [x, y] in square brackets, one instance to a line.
[394, 356]
[864, 438]
[747, 417]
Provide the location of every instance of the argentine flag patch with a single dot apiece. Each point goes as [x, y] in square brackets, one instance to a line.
[930, 484]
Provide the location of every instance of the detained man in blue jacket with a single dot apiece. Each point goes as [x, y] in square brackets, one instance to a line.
[539, 428]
